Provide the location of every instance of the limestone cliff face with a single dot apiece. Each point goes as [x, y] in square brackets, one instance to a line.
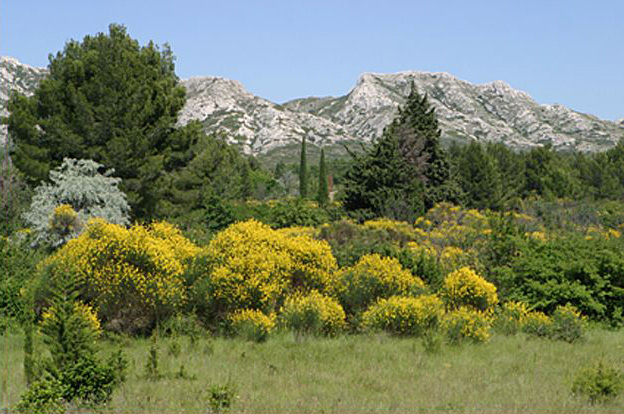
[253, 123]
[15, 77]
[493, 112]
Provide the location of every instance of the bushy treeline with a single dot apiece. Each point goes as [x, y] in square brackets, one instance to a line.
[496, 177]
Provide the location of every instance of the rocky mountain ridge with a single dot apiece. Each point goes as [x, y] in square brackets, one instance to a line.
[493, 112]
[18, 77]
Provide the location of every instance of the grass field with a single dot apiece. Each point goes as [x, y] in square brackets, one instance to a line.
[351, 374]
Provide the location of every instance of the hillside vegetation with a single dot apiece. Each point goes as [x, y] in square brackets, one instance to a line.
[467, 275]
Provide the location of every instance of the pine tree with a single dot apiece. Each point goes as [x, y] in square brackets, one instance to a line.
[303, 171]
[381, 183]
[480, 177]
[406, 170]
[323, 190]
[418, 136]
[109, 100]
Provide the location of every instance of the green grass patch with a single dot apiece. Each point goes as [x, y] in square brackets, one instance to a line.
[355, 374]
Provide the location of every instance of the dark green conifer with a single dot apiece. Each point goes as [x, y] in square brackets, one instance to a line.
[323, 190]
[303, 171]
[110, 100]
[406, 170]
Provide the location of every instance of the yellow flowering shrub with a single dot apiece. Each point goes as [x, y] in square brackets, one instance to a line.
[252, 324]
[295, 231]
[65, 222]
[511, 317]
[402, 315]
[399, 230]
[464, 287]
[374, 277]
[466, 323]
[568, 324]
[537, 323]
[133, 276]
[250, 265]
[313, 313]
[594, 232]
[537, 235]
[451, 235]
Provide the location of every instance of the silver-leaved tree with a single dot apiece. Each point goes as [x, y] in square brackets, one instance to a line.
[78, 184]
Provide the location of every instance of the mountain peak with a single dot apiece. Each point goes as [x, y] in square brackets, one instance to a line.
[491, 112]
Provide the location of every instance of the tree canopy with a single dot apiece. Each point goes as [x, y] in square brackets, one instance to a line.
[110, 100]
[406, 170]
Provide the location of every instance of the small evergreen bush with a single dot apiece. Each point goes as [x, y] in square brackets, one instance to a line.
[598, 382]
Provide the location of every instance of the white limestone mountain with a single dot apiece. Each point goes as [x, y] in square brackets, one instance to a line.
[18, 77]
[492, 112]
[253, 123]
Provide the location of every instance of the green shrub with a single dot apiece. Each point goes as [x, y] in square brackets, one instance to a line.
[568, 324]
[313, 313]
[537, 324]
[70, 329]
[221, 398]
[374, 277]
[88, 381]
[598, 382]
[587, 273]
[43, 396]
[18, 264]
[510, 317]
[405, 315]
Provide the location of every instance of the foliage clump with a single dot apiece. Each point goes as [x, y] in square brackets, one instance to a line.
[133, 277]
[77, 192]
[466, 323]
[251, 266]
[598, 382]
[374, 277]
[313, 313]
[252, 324]
[402, 315]
[73, 372]
[465, 287]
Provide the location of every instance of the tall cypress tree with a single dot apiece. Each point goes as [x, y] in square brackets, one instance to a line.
[323, 190]
[303, 171]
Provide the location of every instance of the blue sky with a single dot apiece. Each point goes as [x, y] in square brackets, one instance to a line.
[568, 52]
